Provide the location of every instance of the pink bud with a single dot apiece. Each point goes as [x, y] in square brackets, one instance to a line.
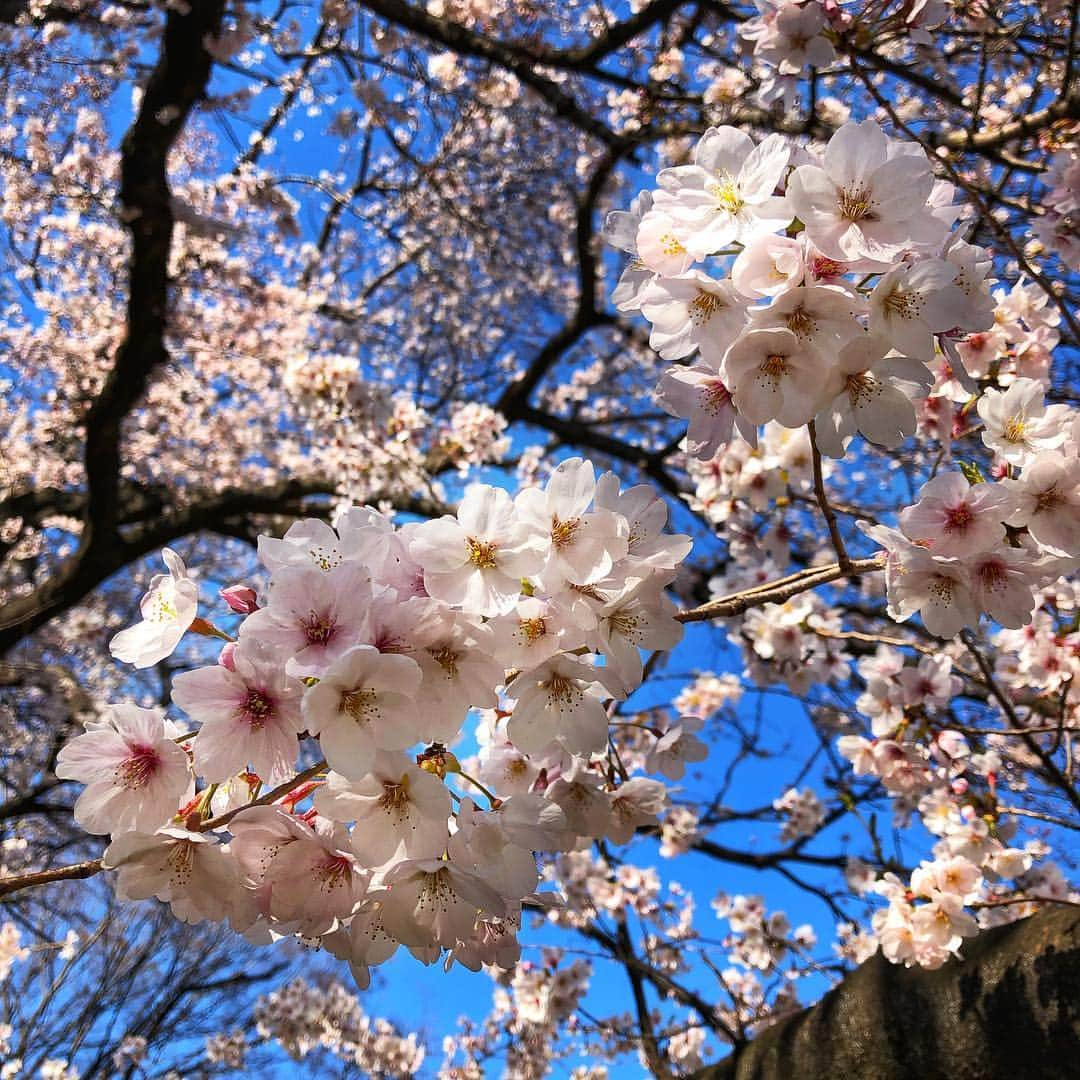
[959, 786]
[226, 657]
[241, 598]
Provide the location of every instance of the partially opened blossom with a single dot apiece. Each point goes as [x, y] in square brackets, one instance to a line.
[481, 845]
[365, 702]
[249, 712]
[478, 559]
[621, 230]
[135, 773]
[168, 609]
[728, 193]
[768, 265]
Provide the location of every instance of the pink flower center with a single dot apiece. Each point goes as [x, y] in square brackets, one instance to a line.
[138, 769]
[318, 628]
[958, 518]
[257, 708]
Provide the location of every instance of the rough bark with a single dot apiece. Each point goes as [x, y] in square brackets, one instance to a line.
[1010, 1008]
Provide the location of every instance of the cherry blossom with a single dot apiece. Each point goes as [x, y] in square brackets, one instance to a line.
[168, 609]
[135, 773]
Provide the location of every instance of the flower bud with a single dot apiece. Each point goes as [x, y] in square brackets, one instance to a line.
[240, 598]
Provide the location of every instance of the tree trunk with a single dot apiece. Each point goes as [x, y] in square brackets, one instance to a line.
[1009, 1008]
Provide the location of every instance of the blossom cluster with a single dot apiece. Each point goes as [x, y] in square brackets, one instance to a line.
[837, 288]
[374, 643]
[971, 545]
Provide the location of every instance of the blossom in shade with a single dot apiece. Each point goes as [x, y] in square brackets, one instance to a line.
[774, 376]
[398, 810]
[872, 394]
[1047, 500]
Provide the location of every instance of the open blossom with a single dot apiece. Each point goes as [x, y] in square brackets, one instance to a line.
[727, 194]
[1047, 500]
[188, 870]
[865, 201]
[456, 656]
[365, 702]
[912, 303]
[1017, 422]
[698, 394]
[249, 712]
[478, 559]
[1002, 585]
[583, 545]
[397, 808]
[874, 395]
[692, 312]
[435, 900]
[678, 747]
[795, 40]
[312, 616]
[640, 616]
[135, 773]
[168, 609]
[555, 702]
[775, 377]
[936, 588]
[637, 802]
[955, 518]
